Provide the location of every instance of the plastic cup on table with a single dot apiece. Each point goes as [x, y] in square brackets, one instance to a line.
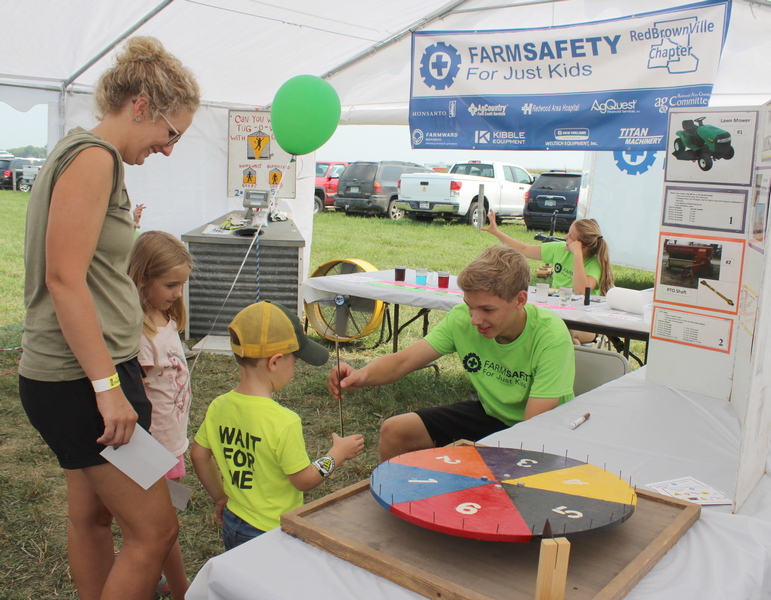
[399, 271]
[541, 292]
[421, 276]
[566, 295]
[443, 279]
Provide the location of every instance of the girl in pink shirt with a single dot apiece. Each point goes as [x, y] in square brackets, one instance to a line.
[160, 265]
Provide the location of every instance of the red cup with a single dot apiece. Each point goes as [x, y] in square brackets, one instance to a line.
[443, 277]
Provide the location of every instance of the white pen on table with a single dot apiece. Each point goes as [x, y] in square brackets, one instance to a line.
[579, 420]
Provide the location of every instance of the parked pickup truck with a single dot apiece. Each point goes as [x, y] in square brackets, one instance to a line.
[12, 172]
[327, 177]
[455, 195]
[28, 176]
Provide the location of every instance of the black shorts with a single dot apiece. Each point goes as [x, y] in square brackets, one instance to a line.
[66, 416]
[462, 421]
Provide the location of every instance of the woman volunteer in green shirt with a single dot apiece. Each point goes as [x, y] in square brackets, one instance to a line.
[584, 241]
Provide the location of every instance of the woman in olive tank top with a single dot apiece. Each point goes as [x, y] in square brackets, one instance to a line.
[80, 382]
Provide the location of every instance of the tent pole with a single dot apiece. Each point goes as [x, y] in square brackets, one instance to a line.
[418, 25]
[71, 79]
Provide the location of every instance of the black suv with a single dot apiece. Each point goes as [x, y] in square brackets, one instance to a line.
[553, 191]
[9, 166]
[370, 187]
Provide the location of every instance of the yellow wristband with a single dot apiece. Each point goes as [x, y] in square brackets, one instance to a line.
[108, 383]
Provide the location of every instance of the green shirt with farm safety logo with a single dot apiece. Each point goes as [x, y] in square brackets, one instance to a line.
[538, 364]
[557, 254]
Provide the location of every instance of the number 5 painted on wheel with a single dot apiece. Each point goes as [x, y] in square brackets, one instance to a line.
[570, 514]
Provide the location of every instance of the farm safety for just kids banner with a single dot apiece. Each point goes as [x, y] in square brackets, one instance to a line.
[606, 85]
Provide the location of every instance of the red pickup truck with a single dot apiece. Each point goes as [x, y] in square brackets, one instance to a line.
[327, 178]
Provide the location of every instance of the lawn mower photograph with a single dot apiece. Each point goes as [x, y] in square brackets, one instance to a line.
[702, 143]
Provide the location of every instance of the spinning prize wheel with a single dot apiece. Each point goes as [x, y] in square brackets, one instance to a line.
[344, 317]
[501, 494]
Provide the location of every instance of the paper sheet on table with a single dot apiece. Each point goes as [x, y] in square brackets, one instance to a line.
[212, 229]
[693, 490]
[143, 459]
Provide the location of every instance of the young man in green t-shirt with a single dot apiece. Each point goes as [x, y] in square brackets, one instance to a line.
[519, 358]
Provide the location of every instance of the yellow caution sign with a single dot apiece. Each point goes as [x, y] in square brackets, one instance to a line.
[258, 144]
[250, 175]
[274, 177]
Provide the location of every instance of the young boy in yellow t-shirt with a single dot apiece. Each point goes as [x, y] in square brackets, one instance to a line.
[249, 452]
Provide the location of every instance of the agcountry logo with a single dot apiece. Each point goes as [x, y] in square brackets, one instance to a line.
[487, 110]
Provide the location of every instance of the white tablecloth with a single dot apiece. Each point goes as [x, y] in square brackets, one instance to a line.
[646, 431]
[380, 285]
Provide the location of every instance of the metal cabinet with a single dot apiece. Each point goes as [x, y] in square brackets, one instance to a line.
[217, 291]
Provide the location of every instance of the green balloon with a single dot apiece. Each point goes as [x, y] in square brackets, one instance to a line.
[304, 114]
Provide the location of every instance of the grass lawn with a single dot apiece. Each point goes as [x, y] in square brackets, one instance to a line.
[32, 496]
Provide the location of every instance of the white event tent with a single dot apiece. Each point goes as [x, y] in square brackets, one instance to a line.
[243, 50]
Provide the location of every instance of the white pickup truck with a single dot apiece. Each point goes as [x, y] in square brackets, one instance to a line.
[29, 174]
[455, 195]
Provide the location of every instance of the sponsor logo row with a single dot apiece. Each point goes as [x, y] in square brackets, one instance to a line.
[577, 136]
[611, 106]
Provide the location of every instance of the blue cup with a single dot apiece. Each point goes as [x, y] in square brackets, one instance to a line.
[421, 276]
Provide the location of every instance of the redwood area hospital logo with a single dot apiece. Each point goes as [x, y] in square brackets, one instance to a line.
[440, 65]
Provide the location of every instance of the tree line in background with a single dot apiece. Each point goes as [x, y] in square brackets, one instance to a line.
[29, 152]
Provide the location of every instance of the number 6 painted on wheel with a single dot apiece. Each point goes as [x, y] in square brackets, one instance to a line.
[468, 508]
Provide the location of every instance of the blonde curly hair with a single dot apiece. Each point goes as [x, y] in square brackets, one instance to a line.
[145, 68]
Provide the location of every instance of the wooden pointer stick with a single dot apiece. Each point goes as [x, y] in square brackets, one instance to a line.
[340, 388]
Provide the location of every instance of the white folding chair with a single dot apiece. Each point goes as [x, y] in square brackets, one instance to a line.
[595, 366]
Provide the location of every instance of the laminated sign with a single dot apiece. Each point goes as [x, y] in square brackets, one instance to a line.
[605, 85]
[255, 160]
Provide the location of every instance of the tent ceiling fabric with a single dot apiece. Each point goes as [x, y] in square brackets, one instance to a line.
[243, 50]
[240, 50]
